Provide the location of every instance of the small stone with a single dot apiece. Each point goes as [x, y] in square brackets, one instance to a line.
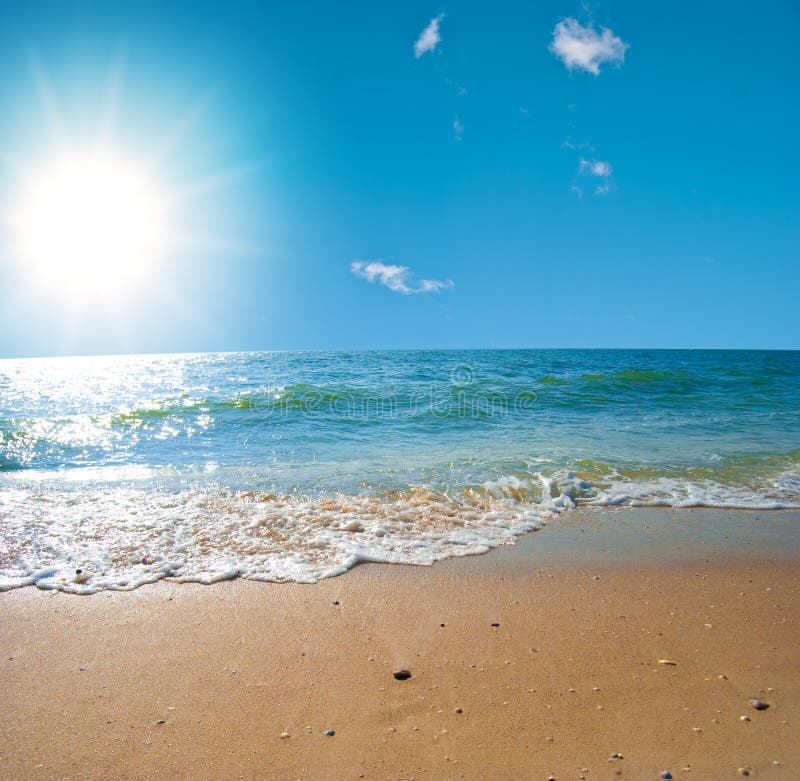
[495, 624]
[744, 718]
[616, 756]
[402, 675]
[665, 774]
[744, 771]
[667, 662]
[329, 733]
[759, 704]
[160, 722]
[459, 710]
[335, 602]
[284, 735]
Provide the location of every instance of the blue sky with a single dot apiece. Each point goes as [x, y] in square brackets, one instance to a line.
[526, 181]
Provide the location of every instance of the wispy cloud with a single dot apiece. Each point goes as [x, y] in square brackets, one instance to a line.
[458, 128]
[596, 167]
[397, 278]
[584, 48]
[429, 37]
[460, 90]
[599, 169]
[579, 145]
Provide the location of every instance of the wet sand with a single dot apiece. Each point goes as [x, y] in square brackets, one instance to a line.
[201, 682]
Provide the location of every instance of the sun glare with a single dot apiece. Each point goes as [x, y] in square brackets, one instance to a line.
[90, 224]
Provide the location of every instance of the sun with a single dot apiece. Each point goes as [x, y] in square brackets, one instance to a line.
[90, 223]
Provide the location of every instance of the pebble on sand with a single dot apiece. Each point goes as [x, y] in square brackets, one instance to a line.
[667, 662]
[744, 771]
[744, 718]
[759, 704]
[495, 624]
[284, 735]
[666, 774]
[402, 675]
[329, 733]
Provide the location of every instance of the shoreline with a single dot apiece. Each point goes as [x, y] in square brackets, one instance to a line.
[182, 680]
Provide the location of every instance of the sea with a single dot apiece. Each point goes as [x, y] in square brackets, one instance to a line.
[294, 466]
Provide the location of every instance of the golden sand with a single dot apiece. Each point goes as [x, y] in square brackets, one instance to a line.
[536, 661]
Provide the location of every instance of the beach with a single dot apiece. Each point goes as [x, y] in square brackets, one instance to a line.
[543, 659]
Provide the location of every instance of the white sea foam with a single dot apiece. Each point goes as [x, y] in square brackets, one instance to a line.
[122, 538]
[105, 536]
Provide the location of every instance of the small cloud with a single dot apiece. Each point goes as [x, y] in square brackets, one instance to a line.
[458, 129]
[584, 48]
[429, 37]
[579, 145]
[397, 278]
[522, 110]
[595, 167]
[598, 169]
[460, 90]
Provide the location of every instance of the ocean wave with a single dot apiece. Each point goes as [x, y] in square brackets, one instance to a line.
[87, 536]
[118, 539]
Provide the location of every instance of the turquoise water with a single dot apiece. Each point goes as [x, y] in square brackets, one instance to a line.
[297, 465]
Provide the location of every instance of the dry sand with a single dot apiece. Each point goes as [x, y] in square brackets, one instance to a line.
[200, 682]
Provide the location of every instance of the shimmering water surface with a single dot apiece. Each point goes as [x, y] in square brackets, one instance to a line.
[295, 466]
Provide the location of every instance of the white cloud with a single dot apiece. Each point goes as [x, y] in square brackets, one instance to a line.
[429, 37]
[595, 167]
[458, 129]
[580, 145]
[584, 48]
[599, 169]
[397, 278]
